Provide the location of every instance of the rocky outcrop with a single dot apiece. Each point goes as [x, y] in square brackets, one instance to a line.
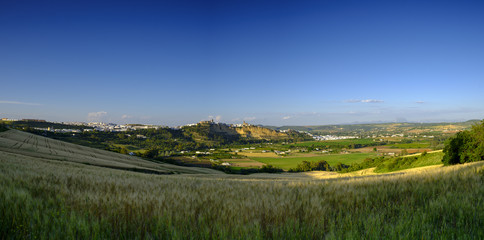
[249, 131]
[210, 130]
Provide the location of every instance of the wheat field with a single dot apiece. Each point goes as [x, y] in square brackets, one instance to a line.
[23, 144]
[45, 198]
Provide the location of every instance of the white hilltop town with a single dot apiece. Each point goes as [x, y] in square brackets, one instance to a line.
[113, 127]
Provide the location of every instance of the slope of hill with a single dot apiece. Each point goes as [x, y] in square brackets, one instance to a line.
[52, 199]
[208, 130]
[18, 144]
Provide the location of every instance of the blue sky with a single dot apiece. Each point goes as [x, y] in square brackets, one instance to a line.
[272, 63]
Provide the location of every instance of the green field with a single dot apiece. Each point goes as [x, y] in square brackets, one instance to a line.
[422, 144]
[410, 161]
[338, 143]
[287, 163]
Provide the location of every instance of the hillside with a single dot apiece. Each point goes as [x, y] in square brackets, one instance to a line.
[66, 200]
[257, 132]
[20, 145]
[220, 132]
[380, 127]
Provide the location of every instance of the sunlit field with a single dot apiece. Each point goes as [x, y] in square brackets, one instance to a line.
[45, 198]
[289, 162]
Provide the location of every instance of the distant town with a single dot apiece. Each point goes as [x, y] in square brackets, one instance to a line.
[113, 127]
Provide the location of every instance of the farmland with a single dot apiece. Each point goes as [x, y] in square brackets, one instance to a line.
[347, 143]
[20, 144]
[51, 197]
[209, 144]
[287, 163]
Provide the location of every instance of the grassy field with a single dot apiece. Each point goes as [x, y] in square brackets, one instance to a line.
[411, 161]
[52, 199]
[336, 143]
[291, 162]
[422, 144]
[65, 200]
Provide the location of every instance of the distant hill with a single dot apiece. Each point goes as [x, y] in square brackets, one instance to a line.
[370, 126]
[211, 131]
[42, 124]
[18, 144]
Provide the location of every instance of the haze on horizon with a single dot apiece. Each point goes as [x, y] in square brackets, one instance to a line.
[264, 62]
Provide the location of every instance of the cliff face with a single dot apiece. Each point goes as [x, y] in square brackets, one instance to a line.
[259, 132]
[223, 129]
[210, 130]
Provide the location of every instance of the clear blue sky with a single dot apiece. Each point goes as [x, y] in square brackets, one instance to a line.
[272, 63]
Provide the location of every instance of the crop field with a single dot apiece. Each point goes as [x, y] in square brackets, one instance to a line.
[243, 162]
[336, 143]
[422, 144]
[63, 199]
[388, 149]
[291, 162]
[21, 144]
[258, 154]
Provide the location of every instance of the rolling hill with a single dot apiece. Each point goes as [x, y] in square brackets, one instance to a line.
[18, 144]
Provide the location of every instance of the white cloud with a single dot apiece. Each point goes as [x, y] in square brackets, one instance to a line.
[126, 116]
[286, 117]
[352, 101]
[363, 101]
[420, 102]
[249, 118]
[96, 116]
[215, 118]
[20, 103]
[371, 101]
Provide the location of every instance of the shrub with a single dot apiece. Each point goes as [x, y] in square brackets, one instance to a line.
[306, 166]
[270, 169]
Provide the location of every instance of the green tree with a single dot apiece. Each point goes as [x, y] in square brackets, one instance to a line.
[465, 146]
[123, 150]
[404, 152]
[340, 167]
[151, 153]
[320, 166]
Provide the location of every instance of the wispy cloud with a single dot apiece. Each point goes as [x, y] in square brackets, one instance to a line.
[20, 103]
[216, 118]
[96, 116]
[249, 118]
[352, 101]
[420, 102]
[363, 101]
[371, 101]
[125, 116]
[286, 117]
